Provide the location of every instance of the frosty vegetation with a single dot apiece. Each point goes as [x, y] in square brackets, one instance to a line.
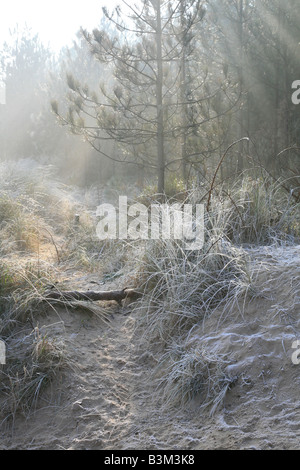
[183, 102]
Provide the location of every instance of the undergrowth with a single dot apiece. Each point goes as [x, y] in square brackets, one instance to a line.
[183, 288]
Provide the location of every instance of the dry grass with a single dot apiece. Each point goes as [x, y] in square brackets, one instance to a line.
[33, 359]
[192, 373]
[182, 288]
[257, 211]
[33, 362]
[33, 215]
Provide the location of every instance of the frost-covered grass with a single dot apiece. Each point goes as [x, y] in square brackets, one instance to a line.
[31, 361]
[39, 239]
[183, 288]
[256, 211]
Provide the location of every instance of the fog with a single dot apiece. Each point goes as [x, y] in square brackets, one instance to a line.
[217, 83]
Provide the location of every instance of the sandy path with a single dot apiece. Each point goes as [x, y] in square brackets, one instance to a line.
[102, 408]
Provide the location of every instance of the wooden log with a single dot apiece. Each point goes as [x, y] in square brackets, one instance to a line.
[117, 295]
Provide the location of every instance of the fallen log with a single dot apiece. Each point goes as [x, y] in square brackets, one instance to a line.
[117, 295]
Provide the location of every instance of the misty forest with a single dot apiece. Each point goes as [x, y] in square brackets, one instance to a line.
[137, 342]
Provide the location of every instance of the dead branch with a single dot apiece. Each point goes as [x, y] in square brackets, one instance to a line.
[117, 295]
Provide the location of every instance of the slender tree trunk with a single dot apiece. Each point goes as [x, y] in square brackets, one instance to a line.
[184, 121]
[277, 90]
[183, 95]
[241, 83]
[159, 104]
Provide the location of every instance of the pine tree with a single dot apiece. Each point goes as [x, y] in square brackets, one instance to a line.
[138, 108]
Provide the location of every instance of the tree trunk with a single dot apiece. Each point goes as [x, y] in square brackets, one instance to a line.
[159, 104]
[183, 95]
[241, 83]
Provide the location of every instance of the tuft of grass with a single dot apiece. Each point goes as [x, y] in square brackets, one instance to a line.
[9, 207]
[256, 211]
[33, 361]
[21, 227]
[193, 373]
[22, 289]
[183, 288]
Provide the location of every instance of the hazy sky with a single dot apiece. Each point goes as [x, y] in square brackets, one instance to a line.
[56, 21]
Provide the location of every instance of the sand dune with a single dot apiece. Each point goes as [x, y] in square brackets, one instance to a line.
[105, 400]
